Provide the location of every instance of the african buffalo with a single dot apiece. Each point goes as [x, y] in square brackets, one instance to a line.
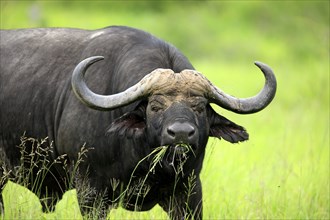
[143, 95]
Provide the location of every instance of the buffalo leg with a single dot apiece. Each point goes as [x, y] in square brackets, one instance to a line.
[185, 205]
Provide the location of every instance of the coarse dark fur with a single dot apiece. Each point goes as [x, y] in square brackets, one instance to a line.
[36, 99]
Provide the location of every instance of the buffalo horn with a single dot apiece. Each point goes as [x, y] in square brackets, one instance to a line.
[109, 102]
[247, 105]
[145, 87]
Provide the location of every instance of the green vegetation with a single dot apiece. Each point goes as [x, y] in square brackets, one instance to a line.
[28, 206]
[282, 172]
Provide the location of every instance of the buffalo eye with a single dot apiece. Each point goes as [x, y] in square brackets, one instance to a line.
[156, 107]
[199, 108]
[157, 103]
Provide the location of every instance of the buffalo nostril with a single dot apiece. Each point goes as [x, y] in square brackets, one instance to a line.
[192, 132]
[170, 132]
[179, 131]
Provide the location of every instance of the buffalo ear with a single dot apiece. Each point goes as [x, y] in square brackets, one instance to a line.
[221, 127]
[129, 125]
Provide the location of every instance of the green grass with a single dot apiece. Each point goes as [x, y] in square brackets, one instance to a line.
[28, 206]
[282, 172]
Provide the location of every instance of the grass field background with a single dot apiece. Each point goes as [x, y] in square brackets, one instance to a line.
[282, 172]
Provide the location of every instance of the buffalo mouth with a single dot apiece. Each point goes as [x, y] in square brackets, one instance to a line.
[180, 150]
[176, 156]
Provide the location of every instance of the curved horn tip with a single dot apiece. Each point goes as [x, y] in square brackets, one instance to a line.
[94, 59]
[261, 64]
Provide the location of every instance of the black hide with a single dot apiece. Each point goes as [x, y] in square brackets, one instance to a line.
[36, 99]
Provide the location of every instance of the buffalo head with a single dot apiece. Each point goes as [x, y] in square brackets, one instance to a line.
[176, 109]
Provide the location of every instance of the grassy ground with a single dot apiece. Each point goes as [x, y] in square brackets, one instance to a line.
[282, 172]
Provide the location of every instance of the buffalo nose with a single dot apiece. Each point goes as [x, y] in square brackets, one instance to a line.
[181, 132]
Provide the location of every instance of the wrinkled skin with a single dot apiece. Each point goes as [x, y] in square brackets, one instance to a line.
[37, 99]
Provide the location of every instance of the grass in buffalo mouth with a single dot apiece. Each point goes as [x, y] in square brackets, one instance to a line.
[174, 155]
[178, 155]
